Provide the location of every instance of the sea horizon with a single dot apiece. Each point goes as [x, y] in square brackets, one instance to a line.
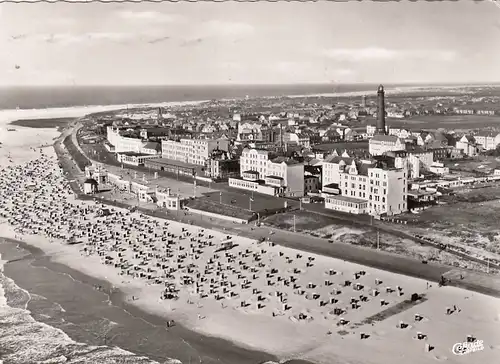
[60, 96]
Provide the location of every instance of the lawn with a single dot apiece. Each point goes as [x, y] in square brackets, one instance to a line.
[432, 122]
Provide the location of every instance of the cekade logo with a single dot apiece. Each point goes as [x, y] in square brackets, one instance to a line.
[467, 347]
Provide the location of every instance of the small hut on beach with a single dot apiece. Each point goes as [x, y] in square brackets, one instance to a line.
[90, 186]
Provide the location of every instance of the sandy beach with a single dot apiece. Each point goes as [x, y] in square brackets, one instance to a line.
[260, 296]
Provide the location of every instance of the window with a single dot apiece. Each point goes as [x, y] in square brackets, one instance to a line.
[385, 191]
[383, 199]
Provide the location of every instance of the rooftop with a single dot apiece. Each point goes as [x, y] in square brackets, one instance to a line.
[347, 199]
[134, 154]
[385, 138]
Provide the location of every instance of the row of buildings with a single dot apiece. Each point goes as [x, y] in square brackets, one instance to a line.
[145, 190]
[257, 159]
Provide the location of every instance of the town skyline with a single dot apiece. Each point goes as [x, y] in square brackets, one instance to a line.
[249, 44]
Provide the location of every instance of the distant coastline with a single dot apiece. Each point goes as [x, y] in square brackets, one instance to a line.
[43, 97]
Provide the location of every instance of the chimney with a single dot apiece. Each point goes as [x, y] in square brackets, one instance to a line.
[380, 111]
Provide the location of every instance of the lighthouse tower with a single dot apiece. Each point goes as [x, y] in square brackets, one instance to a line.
[380, 111]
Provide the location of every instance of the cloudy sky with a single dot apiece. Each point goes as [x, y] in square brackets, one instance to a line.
[245, 43]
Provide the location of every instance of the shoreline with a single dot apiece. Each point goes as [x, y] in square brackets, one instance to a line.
[212, 346]
[84, 110]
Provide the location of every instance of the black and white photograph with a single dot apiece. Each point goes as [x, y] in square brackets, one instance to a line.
[310, 182]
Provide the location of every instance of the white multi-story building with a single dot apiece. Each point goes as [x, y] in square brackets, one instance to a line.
[332, 167]
[366, 188]
[388, 191]
[255, 160]
[380, 144]
[262, 172]
[468, 145]
[193, 151]
[121, 143]
[487, 140]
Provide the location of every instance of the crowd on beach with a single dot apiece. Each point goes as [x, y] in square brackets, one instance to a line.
[192, 265]
[36, 199]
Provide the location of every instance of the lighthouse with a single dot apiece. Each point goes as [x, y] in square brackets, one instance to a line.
[380, 111]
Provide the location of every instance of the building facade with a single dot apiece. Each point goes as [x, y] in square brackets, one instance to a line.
[121, 143]
[261, 170]
[193, 151]
[467, 144]
[487, 140]
[384, 190]
[380, 144]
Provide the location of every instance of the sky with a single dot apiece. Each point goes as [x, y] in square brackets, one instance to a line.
[249, 43]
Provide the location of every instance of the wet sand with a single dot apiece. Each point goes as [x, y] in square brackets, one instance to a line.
[104, 318]
[59, 123]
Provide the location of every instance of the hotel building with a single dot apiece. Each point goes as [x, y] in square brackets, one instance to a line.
[263, 172]
[193, 151]
[372, 189]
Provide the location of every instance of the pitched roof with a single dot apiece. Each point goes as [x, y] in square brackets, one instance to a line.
[152, 145]
[288, 161]
[361, 167]
[385, 138]
[337, 159]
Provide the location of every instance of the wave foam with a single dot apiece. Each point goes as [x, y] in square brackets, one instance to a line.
[25, 340]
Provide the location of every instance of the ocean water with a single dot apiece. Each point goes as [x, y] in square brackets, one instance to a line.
[50, 97]
[24, 340]
[50, 313]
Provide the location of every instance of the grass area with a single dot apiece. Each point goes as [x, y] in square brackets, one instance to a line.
[304, 220]
[220, 209]
[471, 226]
[432, 122]
[334, 231]
[43, 123]
[477, 166]
[240, 199]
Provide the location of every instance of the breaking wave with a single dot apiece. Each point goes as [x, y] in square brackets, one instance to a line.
[23, 340]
